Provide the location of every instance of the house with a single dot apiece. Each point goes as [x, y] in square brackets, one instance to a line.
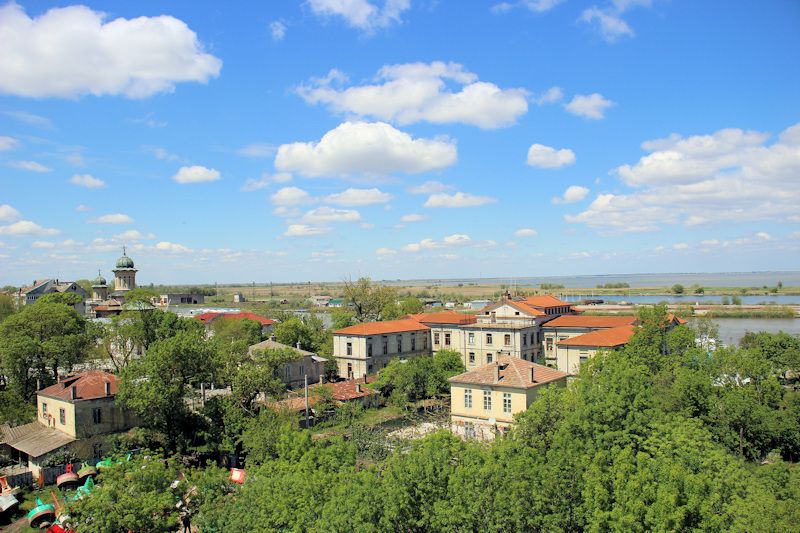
[568, 326]
[366, 348]
[29, 295]
[483, 401]
[477, 304]
[78, 412]
[574, 351]
[351, 390]
[321, 301]
[307, 364]
[177, 298]
[239, 298]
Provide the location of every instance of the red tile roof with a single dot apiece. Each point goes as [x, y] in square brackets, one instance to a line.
[89, 385]
[443, 317]
[207, 318]
[381, 328]
[342, 391]
[593, 322]
[514, 372]
[520, 306]
[607, 338]
[545, 301]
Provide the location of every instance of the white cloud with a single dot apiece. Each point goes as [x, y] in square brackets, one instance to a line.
[543, 156]
[83, 208]
[257, 150]
[526, 232]
[8, 213]
[351, 197]
[132, 235]
[116, 218]
[365, 148]
[196, 174]
[30, 119]
[608, 21]
[589, 106]
[419, 92]
[362, 14]
[431, 244]
[304, 230]
[265, 180]
[537, 6]
[574, 193]
[43, 245]
[164, 155]
[680, 246]
[550, 96]
[69, 52]
[290, 196]
[149, 120]
[85, 180]
[430, 187]
[386, 251]
[459, 199]
[728, 176]
[278, 30]
[31, 166]
[323, 215]
[171, 247]
[8, 143]
[764, 236]
[26, 227]
[710, 242]
[412, 218]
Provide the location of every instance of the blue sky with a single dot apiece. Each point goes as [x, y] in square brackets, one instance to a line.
[317, 140]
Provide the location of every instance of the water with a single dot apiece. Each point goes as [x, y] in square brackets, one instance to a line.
[731, 330]
[690, 299]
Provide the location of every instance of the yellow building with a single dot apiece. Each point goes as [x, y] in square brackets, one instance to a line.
[364, 349]
[306, 365]
[483, 401]
[569, 326]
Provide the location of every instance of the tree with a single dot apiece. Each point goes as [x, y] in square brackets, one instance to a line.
[781, 349]
[122, 339]
[366, 299]
[7, 306]
[419, 378]
[341, 318]
[140, 294]
[308, 331]
[230, 330]
[677, 288]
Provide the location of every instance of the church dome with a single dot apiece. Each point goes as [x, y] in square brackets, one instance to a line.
[98, 281]
[124, 262]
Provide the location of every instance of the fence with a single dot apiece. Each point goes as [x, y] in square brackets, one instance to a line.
[24, 479]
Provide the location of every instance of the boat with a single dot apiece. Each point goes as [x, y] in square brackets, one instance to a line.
[86, 470]
[42, 515]
[67, 480]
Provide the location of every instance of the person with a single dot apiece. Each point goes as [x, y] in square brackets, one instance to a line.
[186, 520]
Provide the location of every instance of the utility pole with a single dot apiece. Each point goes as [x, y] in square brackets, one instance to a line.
[305, 380]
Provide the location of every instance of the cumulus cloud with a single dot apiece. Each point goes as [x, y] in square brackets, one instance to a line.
[362, 14]
[431, 244]
[8, 143]
[574, 193]
[412, 218]
[88, 181]
[171, 247]
[459, 199]
[608, 21]
[353, 197]
[543, 156]
[31, 166]
[430, 187]
[386, 252]
[72, 51]
[591, 106]
[419, 92]
[526, 232]
[680, 246]
[195, 174]
[365, 148]
[288, 196]
[278, 30]
[323, 215]
[731, 175]
[116, 218]
[132, 235]
[304, 230]
[8, 213]
[265, 180]
[26, 228]
[550, 96]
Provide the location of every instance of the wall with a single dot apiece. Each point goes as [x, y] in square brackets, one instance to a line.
[518, 347]
[568, 358]
[360, 360]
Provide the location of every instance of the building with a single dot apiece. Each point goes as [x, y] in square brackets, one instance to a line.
[321, 301]
[364, 349]
[483, 401]
[477, 304]
[105, 304]
[78, 412]
[239, 298]
[306, 365]
[569, 326]
[124, 277]
[177, 298]
[572, 352]
[29, 295]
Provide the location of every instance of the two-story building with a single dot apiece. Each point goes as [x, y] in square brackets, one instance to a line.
[568, 326]
[483, 401]
[364, 349]
[306, 365]
[29, 295]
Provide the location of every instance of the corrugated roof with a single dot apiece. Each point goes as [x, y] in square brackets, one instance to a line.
[594, 322]
[443, 317]
[514, 373]
[89, 385]
[36, 439]
[605, 338]
[380, 328]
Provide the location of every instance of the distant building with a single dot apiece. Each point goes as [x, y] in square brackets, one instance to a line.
[483, 401]
[571, 353]
[177, 298]
[124, 277]
[321, 301]
[105, 304]
[239, 298]
[366, 348]
[29, 295]
[307, 365]
[477, 304]
[569, 326]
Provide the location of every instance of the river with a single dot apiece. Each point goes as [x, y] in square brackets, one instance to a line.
[731, 330]
[689, 299]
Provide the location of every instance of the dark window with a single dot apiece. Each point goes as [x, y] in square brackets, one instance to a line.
[349, 348]
[385, 347]
[488, 358]
[447, 339]
[413, 344]
[369, 350]
[62, 416]
[472, 358]
[488, 338]
[97, 415]
[435, 338]
[399, 343]
[507, 340]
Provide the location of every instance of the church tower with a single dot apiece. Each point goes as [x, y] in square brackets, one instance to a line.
[124, 274]
[99, 288]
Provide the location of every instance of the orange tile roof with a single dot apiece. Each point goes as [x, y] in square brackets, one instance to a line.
[594, 322]
[607, 338]
[545, 301]
[443, 317]
[381, 328]
[89, 386]
[342, 391]
[520, 306]
[675, 319]
[514, 372]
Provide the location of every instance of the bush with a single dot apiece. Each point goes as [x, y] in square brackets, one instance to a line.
[677, 288]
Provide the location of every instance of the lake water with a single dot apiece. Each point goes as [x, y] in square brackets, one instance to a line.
[731, 330]
[690, 299]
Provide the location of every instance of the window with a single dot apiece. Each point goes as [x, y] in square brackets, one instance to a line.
[44, 409]
[584, 355]
[524, 340]
[488, 358]
[436, 339]
[97, 415]
[469, 430]
[349, 370]
[425, 342]
[549, 344]
[349, 348]
[399, 343]
[488, 338]
[385, 347]
[471, 338]
[487, 400]
[507, 340]
[516, 313]
[447, 339]
[62, 416]
[369, 350]
[533, 338]
[468, 398]
[302, 370]
[472, 358]
[506, 402]
[287, 371]
[413, 343]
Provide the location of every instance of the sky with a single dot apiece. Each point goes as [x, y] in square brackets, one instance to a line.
[398, 139]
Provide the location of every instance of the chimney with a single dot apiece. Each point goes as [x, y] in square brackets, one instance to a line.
[496, 372]
[108, 388]
[73, 392]
[533, 378]
[358, 388]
